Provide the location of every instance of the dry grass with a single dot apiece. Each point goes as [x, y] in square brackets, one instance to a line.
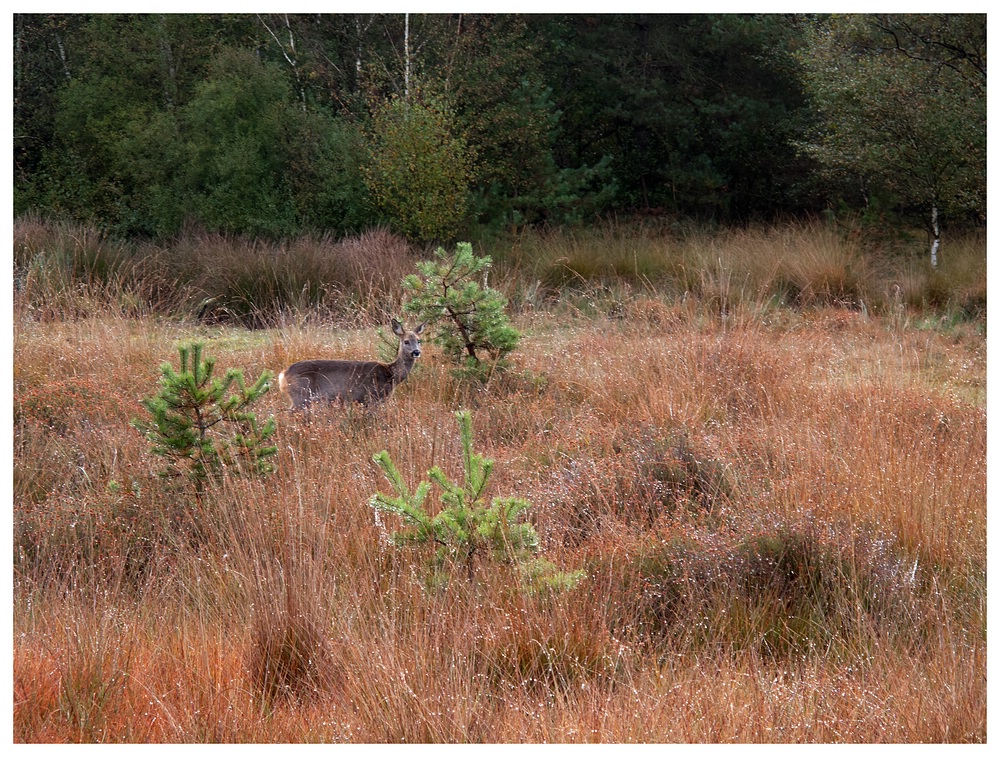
[63, 270]
[257, 283]
[782, 516]
[796, 265]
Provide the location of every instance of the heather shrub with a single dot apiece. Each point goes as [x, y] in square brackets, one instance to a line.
[782, 589]
[65, 404]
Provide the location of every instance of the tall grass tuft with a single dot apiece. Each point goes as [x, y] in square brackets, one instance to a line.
[65, 271]
[357, 280]
[803, 265]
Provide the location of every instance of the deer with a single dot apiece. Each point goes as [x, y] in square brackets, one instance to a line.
[366, 382]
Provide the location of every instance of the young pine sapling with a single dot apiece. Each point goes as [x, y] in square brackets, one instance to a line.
[186, 416]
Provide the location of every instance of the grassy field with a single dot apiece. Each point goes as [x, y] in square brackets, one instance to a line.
[766, 449]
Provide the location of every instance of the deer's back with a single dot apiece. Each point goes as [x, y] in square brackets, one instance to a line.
[346, 380]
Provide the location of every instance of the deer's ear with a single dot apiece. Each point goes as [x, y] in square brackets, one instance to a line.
[420, 329]
[397, 327]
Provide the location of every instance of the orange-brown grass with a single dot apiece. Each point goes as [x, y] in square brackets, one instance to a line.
[781, 515]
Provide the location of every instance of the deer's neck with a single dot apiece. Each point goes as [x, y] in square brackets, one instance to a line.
[400, 368]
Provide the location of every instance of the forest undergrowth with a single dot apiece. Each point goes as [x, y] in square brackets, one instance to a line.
[766, 451]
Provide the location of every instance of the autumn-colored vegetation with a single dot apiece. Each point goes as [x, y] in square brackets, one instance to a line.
[765, 448]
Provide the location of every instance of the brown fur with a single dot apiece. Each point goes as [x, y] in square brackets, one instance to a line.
[367, 382]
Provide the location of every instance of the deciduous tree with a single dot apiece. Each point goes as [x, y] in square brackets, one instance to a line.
[419, 167]
[902, 101]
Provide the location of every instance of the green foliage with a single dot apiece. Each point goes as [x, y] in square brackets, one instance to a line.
[471, 318]
[466, 526]
[419, 169]
[188, 410]
[140, 123]
[239, 127]
[489, 67]
[326, 177]
[116, 152]
[694, 111]
[902, 106]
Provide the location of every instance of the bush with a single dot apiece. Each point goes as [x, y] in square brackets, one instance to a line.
[241, 124]
[780, 590]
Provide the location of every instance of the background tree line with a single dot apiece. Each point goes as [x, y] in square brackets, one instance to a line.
[455, 126]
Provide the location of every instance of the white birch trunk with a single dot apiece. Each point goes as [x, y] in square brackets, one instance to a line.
[291, 59]
[936, 241]
[406, 56]
[357, 51]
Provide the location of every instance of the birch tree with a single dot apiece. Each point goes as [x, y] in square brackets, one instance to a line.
[902, 102]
